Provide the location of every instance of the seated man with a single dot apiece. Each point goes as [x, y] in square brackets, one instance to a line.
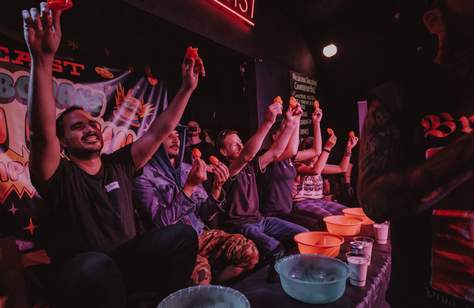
[242, 212]
[97, 257]
[171, 192]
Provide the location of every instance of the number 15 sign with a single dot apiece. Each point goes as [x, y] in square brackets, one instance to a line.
[243, 9]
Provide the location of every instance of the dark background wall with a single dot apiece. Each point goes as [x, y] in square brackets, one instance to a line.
[275, 45]
[276, 36]
[246, 66]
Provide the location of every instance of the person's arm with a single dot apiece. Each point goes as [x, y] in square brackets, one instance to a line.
[277, 148]
[145, 146]
[42, 36]
[318, 167]
[252, 146]
[386, 189]
[214, 203]
[345, 161]
[221, 175]
[292, 148]
[317, 140]
[347, 174]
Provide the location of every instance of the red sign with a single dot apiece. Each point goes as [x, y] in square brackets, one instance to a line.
[243, 9]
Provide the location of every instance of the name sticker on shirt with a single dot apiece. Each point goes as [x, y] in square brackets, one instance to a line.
[112, 186]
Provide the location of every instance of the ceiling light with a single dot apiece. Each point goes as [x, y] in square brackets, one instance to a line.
[330, 50]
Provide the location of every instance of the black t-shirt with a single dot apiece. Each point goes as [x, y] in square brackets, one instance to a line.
[429, 250]
[89, 212]
[242, 205]
[276, 186]
[206, 148]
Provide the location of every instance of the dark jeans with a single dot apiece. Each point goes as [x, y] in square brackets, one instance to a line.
[269, 232]
[160, 261]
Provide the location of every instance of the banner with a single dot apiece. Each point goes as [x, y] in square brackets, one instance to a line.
[304, 89]
[125, 104]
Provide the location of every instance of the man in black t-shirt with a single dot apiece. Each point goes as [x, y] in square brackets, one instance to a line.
[417, 163]
[242, 210]
[96, 254]
[194, 140]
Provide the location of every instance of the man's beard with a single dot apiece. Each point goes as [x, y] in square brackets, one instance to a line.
[84, 154]
[459, 43]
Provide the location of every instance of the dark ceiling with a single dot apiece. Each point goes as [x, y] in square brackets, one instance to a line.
[376, 40]
[374, 37]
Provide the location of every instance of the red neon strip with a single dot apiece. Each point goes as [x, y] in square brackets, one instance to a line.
[237, 14]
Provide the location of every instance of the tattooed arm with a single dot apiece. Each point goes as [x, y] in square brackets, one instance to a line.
[389, 191]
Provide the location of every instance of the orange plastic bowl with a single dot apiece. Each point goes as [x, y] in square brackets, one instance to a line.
[343, 225]
[359, 213]
[321, 243]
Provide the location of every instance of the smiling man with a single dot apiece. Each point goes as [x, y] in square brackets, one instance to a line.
[98, 259]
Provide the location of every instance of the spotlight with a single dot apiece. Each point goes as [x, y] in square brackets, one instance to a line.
[330, 50]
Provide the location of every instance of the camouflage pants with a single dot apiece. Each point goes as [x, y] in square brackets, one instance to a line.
[219, 246]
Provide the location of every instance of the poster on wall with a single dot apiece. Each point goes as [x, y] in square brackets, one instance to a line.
[304, 89]
[125, 104]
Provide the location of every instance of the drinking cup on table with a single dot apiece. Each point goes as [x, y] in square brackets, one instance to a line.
[381, 232]
[358, 265]
[368, 245]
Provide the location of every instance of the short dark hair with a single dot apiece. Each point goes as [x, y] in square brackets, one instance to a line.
[60, 120]
[306, 143]
[222, 135]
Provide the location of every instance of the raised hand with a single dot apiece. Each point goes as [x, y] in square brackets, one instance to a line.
[190, 71]
[42, 31]
[294, 114]
[297, 110]
[317, 115]
[221, 175]
[197, 175]
[331, 142]
[352, 142]
[273, 111]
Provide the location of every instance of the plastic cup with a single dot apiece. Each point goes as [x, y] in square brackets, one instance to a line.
[381, 232]
[368, 245]
[358, 265]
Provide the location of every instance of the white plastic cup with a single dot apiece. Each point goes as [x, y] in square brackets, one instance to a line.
[358, 265]
[368, 245]
[381, 232]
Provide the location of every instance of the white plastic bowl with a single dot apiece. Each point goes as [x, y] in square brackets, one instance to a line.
[205, 297]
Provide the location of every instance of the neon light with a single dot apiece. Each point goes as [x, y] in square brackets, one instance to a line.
[247, 19]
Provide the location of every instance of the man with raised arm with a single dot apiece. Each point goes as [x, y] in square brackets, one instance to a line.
[91, 238]
[243, 204]
[171, 192]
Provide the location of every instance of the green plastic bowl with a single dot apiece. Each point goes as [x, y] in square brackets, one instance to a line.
[313, 279]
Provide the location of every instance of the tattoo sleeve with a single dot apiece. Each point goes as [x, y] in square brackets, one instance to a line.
[389, 190]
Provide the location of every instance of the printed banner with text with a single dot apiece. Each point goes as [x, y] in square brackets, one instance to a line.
[304, 89]
[124, 103]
